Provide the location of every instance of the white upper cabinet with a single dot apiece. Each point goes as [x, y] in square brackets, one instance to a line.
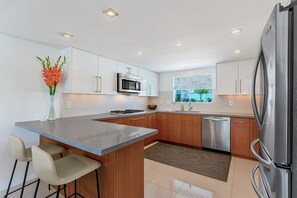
[149, 83]
[84, 71]
[234, 78]
[144, 74]
[227, 78]
[153, 84]
[107, 75]
[245, 73]
[127, 69]
[89, 73]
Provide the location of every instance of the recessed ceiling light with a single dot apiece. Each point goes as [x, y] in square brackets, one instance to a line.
[110, 13]
[237, 51]
[178, 44]
[236, 31]
[139, 53]
[67, 36]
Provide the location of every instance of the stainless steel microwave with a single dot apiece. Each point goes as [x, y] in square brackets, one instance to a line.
[128, 83]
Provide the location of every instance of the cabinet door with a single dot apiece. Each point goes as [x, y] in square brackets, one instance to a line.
[152, 125]
[116, 121]
[254, 134]
[161, 124]
[240, 137]
[107, 76]
[174, 128]
[144, 74]
[227, 78]
[125, 68]
[85, 72]
[139, 121]
[153, 84]
[245, 72]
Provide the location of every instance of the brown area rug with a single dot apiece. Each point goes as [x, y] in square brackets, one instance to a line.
[208, 163]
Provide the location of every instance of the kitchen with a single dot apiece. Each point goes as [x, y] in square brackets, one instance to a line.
[199, 127]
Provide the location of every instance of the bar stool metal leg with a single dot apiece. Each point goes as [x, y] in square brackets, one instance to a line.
[37, 186]
[12, 174]
[65, 194]
[75, 189]
[58, 192]
[97, 180]
[24, 182]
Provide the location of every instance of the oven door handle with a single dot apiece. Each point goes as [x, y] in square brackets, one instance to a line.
[257, 156]
[253, 182]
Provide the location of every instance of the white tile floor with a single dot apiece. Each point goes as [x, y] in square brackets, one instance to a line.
[166, 181]
[162, 181]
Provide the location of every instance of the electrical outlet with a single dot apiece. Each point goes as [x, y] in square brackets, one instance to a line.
[231, 103]
[68, 104]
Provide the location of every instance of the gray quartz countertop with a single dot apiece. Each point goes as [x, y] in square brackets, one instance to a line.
[202, 113]
[88, 134]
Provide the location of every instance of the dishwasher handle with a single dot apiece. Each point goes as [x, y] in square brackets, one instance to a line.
[216, 119]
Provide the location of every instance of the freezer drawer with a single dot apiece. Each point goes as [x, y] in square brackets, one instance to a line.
[216, 133]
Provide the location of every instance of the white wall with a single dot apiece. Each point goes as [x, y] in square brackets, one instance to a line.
[242, 104]
[23, 96]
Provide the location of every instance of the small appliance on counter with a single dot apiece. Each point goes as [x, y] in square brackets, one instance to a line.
[129, 84]
[127, 111]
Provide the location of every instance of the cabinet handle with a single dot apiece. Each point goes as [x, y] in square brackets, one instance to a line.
[240, 85]
[235, 86]
[99, 78]
[136, 119]
[95, 84]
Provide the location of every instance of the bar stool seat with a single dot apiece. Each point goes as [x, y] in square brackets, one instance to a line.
[25, 155]
[51, 149]
[64, 170]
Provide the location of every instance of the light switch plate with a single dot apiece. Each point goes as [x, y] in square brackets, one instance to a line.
[68, 104]
[231, 103]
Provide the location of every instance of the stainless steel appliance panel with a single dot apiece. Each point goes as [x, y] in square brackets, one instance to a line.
[128, 83]
[272, 114]
[216, 133]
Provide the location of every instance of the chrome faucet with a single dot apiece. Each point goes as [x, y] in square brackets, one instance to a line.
[190, 106]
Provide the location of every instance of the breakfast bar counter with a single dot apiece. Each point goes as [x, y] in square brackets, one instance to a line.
[119, 148]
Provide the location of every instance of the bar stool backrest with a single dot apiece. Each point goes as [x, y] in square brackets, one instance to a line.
[17, 147]
[44, 165]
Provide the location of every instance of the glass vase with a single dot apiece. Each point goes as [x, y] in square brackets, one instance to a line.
[52, 113]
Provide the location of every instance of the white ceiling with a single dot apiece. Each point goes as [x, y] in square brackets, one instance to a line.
[150, 26]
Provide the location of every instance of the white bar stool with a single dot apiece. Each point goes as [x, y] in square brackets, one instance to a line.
[64, 170]
[25, 155]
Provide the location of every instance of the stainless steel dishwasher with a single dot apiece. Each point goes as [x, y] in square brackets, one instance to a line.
[216, 133]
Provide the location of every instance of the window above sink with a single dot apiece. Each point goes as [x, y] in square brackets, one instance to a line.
[194, 88]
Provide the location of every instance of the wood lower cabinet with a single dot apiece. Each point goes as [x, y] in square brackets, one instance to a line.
[184, 129]
[254, 134]
[139, 121]
[243, 132]
[161, 125]
[152, 125]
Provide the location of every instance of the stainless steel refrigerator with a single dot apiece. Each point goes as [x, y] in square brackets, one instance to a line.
[275, 106]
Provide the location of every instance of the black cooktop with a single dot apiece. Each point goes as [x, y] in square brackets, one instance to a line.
[127, 111]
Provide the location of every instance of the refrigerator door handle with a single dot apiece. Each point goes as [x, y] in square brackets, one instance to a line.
[254, 184]
[259, 119]
[257, 156]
